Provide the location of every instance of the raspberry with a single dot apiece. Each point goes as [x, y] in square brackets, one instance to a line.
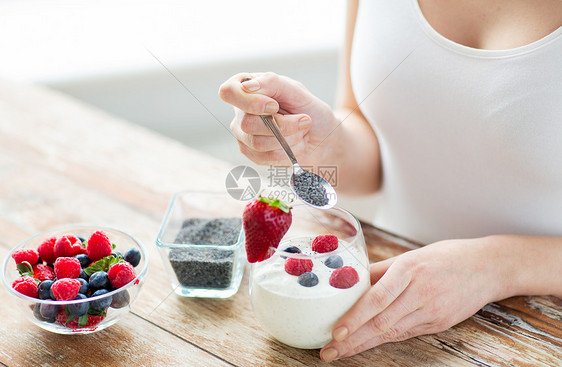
[121, 274]
[65, 289]
[67, 267]
[297, 267]
[46, 250]
[98, 246]
[325, 243]
[67, 246]
[344, 277]
[26, 285]
[93, 320]
[43, 272]
[29, 255]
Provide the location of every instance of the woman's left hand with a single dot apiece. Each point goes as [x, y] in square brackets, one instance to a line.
[423, 291]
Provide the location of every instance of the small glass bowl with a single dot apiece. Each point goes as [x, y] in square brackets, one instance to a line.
[50, 314]
[211, 267]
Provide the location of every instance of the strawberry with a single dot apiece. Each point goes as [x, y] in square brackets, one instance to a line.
[29, 255]
[26, 285]
[297, 267]
[344, 277]
[98, 246]
[265, 222]
[67, 246]
[43, 272]
[325, 243]
[46, 250]
[75, 322]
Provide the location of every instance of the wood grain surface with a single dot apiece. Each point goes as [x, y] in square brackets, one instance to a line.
[62, 162]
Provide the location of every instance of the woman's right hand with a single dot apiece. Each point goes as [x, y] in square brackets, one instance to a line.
[303, 119]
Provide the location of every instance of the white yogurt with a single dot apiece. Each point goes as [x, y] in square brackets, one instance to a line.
[299, 316]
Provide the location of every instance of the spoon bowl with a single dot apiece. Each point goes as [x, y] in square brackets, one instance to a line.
[311, 188]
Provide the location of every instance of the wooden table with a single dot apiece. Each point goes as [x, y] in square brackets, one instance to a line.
[62, 162]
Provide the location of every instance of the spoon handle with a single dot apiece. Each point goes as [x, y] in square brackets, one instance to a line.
[270, 122]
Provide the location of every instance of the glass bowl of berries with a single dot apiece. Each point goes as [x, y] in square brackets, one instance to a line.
[76, 279]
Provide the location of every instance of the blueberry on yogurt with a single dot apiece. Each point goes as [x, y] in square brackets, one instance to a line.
[291, 250]
[308, 279]
[334, 262]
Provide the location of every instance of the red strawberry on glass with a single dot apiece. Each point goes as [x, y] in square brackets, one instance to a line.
[265, 222]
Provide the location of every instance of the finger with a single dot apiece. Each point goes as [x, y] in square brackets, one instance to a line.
[262, 143]
[274, 157]
[288, 124]
[379, 297]
[405, 328]
[281, 88]
[378, 269]
[232, 92]
[383, 323]
[391, 337]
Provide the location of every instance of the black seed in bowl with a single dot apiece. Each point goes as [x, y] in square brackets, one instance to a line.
[205, 267]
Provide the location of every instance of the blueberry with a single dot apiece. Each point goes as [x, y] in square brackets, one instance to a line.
[51, 294]
[101, 304]
[45, 289]
[334, 262]
[99, 280]
[84, 260]
[120, 299]
[37, 313]
[292, 250]
[49, 311]
[83, 285]
[133, 256]
[79, 309]
[81, 239]
[308, 279]
[117, 254]
[83, 275]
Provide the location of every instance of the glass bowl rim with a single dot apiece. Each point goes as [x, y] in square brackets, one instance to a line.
[166, 220]
[317, 255]
[140, 276]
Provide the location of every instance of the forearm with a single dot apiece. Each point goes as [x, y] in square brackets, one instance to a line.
[528, 265]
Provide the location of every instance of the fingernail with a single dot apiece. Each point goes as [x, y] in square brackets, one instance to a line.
[304, 123]
[251, 85]
[340, 333]
[329, 354]
[271, 107]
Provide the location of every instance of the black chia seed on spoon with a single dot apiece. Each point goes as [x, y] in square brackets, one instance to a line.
[310, 189]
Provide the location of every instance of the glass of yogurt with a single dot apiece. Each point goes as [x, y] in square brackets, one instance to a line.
[309, 282]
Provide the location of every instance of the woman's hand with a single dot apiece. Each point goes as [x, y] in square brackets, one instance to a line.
[303, 119]
[420, 292]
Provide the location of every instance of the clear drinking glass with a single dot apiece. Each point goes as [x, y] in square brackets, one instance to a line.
[301, 316]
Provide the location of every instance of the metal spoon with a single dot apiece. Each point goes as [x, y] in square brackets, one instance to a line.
[308, 186]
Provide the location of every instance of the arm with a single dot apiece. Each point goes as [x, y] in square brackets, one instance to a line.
[364, 173]
[317, 135]
[430, 289]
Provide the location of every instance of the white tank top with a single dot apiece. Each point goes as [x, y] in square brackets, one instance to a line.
[471, 140]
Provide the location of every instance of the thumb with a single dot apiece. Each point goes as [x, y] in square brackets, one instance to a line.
[290, 94]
